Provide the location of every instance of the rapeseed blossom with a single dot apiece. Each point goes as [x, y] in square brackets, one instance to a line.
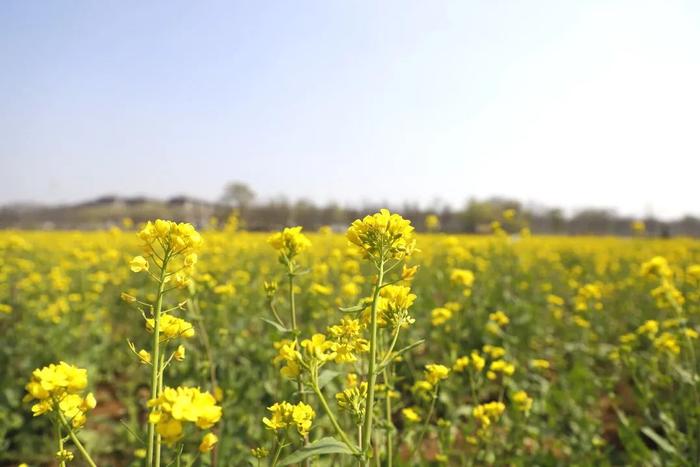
[382, 236]
[177, 406]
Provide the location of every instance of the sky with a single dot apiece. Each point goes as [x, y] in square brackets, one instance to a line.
[561, 103]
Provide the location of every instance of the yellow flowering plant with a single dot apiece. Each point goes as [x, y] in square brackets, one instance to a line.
[171, 253]
[57, 390]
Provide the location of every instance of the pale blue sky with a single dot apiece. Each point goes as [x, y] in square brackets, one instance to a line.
[564, 103]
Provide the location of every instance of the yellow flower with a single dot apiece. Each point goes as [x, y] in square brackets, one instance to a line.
[522, 401]
[500, 366]
[259, 453]
[288, 353]
[668, 343]
[478, 362]
[499, 318]
[56, 380]
[440, 316]
[61, 383]
[179, 353]
[460, 364]
[348, 340]
[432, 222]
[657, 266]
[352, 400]
[285, 414]
[462, 277]
[171, 327]
[435, 373]
[208, 442]
[320, 289]
[319, 348]
[64, 455]
[127, 297]
[138, 264]
[411, 415]
[488, 413]
[393, 304]
[408, 273]
[639, 227]
[650, 327]
[290, 242]
[494, 351]
[540, 363]
[144, 356]
[303, 416]
[382, 236]
[181, 405]
[555, 300]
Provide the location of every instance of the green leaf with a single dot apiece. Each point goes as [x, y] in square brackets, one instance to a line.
[326, 377]
[380, 368]
[659, 440]
[276, 325]
[320, 447]
[353, 309]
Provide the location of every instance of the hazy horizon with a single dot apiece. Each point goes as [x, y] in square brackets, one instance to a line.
[587, 104]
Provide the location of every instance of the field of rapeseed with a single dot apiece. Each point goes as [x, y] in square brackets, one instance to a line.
[164, 345]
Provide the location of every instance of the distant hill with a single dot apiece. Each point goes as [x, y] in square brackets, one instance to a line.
[475, 217]
[108, 211]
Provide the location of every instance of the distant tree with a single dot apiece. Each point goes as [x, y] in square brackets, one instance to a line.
[592, 221]
[238, 194]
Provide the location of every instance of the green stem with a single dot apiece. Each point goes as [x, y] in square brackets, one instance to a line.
[280, 446]
[293, 309]
[155, 359]
[74, 438]
[424, 428]
[159, 392]
[331, 417]
[371, 373]
[389, 421]
[59, 436]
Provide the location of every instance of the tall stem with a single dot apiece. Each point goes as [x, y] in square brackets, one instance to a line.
[59, 436]
[159, 391]
[74, 438]
[389, 421]
[371, 373]
[155, 360]
[424, 428]
[331, 417]
[293, 310]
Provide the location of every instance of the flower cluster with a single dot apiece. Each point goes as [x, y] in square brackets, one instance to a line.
[289, 243]
[348, 340]
[174, 407]
[474, 361]
[171, 327]
[172, 247]
[440, 316]
[60, 384]
[656, 267]
[433, 374]
[179, 238]
[288, 353]
[488, 413]
[352, 400]
[522, 401]
[285, 415]
[382, 236]
[393, 304]
[463, 278]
